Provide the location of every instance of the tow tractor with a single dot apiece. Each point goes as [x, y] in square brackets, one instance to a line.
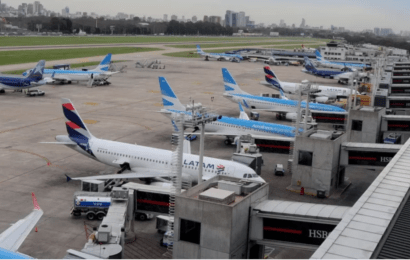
[34, 92]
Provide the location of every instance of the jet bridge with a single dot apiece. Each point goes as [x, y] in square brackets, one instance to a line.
[277, 223]
[398, 124]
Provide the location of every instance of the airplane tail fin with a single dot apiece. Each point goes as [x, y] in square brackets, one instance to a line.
[169, 99]
[76, 129]
[37, 72]
[318, 55]
[229, 83]
[104, 64]
[35, 203]
[271, 78]
[309, 65]
[198, 49]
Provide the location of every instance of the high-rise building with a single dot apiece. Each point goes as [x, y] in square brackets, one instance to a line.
[386, 31]
[302, 25]
[282, 23]
[174, 17]
[165, 18]
[194, 19]
[228, 18]
[206, 19]
[30, 9]
[377, 31]
[24, 5]
[241, 19]
[215, 19]
[247, 19]
[234, 20]
[183, 18]
[36, 7]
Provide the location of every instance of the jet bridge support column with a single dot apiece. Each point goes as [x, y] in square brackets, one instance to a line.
[201, 152]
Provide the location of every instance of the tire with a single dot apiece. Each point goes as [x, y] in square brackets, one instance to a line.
[69, 82]
[76, 213]
[227, 142]
[161, 242]
[100, 216]
[91, 216]
[141, 217]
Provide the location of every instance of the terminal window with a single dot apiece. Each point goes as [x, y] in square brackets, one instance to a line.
[357, 125]
[305, 158]
[190, 231]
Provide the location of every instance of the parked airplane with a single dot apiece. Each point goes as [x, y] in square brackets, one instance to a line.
[230, 127]
[13, 237]
[138, 161]
[322, 94]
[342, 76]
[286, 108]
[339, 65]
[67, 76]
[31, 80]
[219, 56]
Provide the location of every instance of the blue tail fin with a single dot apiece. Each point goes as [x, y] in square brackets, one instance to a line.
[198, 49]
[104, 64]
[229, 83]
[309, 65]
[169, 99]
[37, 72]
[318, 55]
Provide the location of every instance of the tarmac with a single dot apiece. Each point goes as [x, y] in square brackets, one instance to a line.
[125, 111]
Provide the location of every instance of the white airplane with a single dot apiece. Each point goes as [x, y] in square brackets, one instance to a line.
[230, 127]
[219, 56]
[339, 65]
[138, 161]
[323, 94]
[13, 237]
[287, 109]
[67, 76]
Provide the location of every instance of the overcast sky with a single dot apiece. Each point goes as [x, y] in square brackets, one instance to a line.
[351, 14]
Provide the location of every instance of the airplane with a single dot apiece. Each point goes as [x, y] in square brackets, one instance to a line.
[230, 127]
[33, 79]
[141, 162]
[100, 73]
[219, 56]
[323, 94]
[287, 109]
[13, 237]
[343, 76]
[339, 65]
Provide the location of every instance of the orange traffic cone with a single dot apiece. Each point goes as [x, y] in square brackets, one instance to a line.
[302, 191]
[36, 229]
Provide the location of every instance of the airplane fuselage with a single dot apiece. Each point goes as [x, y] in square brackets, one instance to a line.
[326, 91]
[111, 152]
[278, 105]
[16, 83]
[73, 75]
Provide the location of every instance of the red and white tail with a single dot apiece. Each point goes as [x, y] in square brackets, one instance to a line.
[35, 203]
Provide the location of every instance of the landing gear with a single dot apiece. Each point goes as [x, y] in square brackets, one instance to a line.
[228, 141]
[206, 58]
[279, 117]
[2, 91]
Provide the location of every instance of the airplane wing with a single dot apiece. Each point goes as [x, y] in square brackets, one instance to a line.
[135, 173]
[14, 236]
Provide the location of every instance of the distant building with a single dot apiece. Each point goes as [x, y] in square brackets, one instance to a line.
[215, 19]
[377, 31]
[234, 21]
[122, 16]
[183, 19]
[247, 19]
[206, 19]
[30, 9]
[282, 23]
[174, 17]
[194, 19]
[241, 19]
[165, 18]
[85, 14]
[302, 25]
[386, 31]
[228, 18]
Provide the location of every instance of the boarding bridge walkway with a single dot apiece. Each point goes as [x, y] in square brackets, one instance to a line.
[377, 226]
[399, 124]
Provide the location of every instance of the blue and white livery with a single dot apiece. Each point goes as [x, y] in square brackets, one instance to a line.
[136, 161]
[344, 76]
[219, 56]
[13, 237]
[67, 76]
[284, 107]
[31, 80]
[323, 94]
[230, 127]
[339, 65]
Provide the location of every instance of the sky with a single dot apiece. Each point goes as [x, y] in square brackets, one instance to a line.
[355, 15]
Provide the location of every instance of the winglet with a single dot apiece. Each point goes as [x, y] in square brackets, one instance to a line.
[241, 108]
[68, 177]
[35, 203]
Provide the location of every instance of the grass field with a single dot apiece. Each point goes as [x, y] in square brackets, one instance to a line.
[70, 40]
[18, 57]
[73, 66]
[216, 45]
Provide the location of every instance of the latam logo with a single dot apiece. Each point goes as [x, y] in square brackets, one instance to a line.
[196, 163]
[220, 168]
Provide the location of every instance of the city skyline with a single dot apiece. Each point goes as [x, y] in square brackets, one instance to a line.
[369, 14]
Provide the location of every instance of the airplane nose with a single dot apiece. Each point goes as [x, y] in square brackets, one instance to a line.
[261, 180]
